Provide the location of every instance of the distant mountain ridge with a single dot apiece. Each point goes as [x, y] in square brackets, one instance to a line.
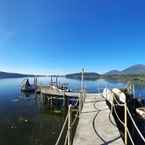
[112, 72]
[87, 75]
[13, 75]
[138, 69]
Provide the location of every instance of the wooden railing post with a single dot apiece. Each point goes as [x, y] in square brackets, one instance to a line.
[82, 80]
[69, 125]
[80, 102]
[125, 122]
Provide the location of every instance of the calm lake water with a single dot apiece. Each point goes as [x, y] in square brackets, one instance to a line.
[24, 120]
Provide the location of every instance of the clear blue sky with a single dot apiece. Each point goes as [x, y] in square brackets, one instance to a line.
[62, 36]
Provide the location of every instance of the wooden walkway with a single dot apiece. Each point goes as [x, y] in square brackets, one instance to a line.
[96, 125]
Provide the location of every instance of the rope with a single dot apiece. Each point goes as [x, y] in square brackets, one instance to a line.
[74, 121]
[82, 99]
[114, 97]
[129, 134]
[65, 142]
[119, 104]
[63, 127]
[118, 117]
[142, 137]
[130, 137]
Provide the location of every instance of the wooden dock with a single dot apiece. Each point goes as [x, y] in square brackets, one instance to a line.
[96, 124]
[45, 90]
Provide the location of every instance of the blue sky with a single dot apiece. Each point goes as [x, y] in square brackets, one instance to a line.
[62, 36]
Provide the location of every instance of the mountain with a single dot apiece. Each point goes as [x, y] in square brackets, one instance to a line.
[138, 69]
[13, 75]
[87, 76]
[113, 72]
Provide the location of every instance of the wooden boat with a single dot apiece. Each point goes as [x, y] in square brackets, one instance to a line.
[27, 87]
[141, 112]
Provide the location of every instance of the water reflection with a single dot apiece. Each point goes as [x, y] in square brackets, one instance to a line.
[25, 119]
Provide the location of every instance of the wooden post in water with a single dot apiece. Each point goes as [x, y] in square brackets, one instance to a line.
[125, 122]
[133, 91]
[82, 90]
[82, 80]
[66, 101]
[51, 101]
[51, 80]
[35, 80]
[56, 81]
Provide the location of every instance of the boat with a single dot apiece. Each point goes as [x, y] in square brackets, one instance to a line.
[141, 111]
[27, 87]
[118, 93]
[108, 95]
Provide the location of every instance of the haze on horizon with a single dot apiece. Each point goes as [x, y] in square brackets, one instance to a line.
[62, 36]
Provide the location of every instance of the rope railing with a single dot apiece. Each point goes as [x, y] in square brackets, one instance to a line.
[62, 130]
[123, 123]
[141, 135]
[67, 123]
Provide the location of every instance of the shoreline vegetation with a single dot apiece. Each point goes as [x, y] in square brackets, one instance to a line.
[4, 75]
[132, 73]
[96, 76]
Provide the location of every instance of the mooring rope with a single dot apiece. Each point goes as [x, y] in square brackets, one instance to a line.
[136, 127]
[65, 142]
[74, 121]
[122, 123]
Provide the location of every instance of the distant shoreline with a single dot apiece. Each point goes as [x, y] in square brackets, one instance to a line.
[124, 78]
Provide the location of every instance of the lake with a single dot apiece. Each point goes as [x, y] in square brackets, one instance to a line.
[25, 120]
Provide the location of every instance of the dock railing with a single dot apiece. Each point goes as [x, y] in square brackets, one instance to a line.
[127, 114]
[69, 123]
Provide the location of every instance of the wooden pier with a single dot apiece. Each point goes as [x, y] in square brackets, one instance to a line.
[96, 124]
[45, 90]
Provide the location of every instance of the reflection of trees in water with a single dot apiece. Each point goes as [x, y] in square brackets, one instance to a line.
[139, 89]
[112, 83]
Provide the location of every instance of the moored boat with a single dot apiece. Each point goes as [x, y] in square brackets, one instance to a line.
[27, 87]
